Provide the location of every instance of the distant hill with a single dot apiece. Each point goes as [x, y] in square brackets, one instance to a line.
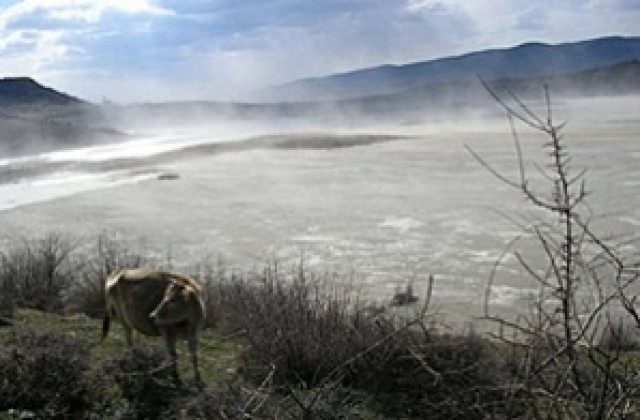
[444, 97]
[35, 118]
[623, 78]
[523, 61]
[615, 79]
[429, 99]
[24, 91]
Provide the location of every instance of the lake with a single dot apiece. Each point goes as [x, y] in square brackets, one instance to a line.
[379, 214]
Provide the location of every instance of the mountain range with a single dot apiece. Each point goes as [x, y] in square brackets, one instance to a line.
[36, 118]
[522, 61]
[597, 66]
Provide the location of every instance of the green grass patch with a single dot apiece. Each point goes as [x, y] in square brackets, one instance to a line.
[219, 357]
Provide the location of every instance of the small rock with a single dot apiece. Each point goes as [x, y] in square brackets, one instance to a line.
[405, 297]
[168, 176]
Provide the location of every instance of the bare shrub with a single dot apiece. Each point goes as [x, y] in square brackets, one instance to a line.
[561, 367]
[233, 400]
[47, 375]
[36, 272]
[7, 300]
[134, 374]
[149, 394]
[53, 274]
[326, 353]
[86, 293]
[290, 320]
[218, 289]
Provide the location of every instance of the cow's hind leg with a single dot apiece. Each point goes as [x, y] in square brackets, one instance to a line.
[170, 340]
[128, 334]
[193, 350]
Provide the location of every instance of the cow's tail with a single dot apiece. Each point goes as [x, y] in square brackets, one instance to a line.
[108, 307]
[106, 323]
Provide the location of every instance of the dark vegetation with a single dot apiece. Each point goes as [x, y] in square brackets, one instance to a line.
[288, 343]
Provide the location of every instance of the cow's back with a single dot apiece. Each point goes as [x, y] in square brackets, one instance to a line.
[134, 294]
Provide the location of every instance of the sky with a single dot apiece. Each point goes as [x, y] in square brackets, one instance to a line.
[154, 50]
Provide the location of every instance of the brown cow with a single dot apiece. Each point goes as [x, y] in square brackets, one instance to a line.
[156, 303]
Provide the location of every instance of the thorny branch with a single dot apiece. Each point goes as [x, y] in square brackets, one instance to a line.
[573, 254]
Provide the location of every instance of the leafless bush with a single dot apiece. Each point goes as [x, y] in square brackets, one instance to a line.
[290, 319]
[326, 353]
[561, 367]
[232, 400]
[7, 300]
[54, 274]
[46, 375]
[421, 373]
[217, 282]
[86, 293]
[148, 395]
[133, 372]
[35, 273]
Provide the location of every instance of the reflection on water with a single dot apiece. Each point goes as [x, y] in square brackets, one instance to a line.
[45, 176]
[61, 184]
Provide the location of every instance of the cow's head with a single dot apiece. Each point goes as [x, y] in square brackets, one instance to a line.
[174, 306]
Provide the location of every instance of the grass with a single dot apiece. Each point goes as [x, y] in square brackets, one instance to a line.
[54, 366]
[219, 357]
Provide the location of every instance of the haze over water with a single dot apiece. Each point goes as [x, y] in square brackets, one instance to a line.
[381, 214]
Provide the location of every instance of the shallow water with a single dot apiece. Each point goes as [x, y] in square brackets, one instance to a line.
[380, 214]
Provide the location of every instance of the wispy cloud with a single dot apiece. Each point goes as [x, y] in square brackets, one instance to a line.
[88, 11]
[158, 49]
[43, 38]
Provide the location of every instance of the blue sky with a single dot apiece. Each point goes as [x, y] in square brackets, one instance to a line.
[150, 50]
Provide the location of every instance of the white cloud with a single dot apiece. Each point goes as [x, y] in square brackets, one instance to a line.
[28, 52]
[92, 10]
[40, 37]
[89, 11]
[15, 38]
[425, 6]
